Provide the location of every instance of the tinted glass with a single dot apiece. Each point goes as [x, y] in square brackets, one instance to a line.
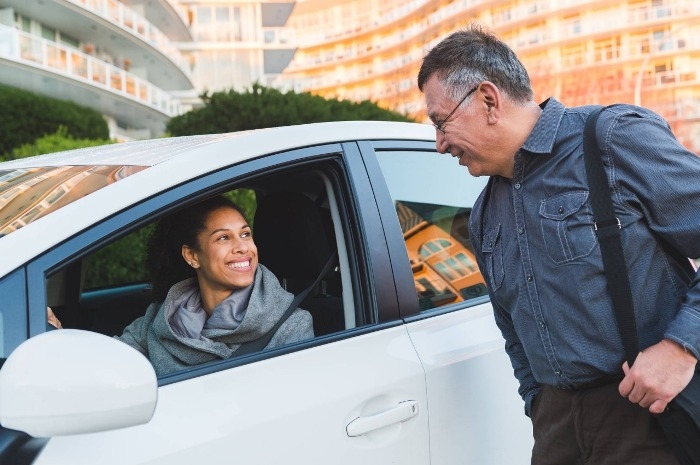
[434, 196]
[30, 193]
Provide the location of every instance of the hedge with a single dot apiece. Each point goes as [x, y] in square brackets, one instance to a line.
[26, 117]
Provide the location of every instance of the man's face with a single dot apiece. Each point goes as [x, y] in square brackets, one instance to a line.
[467, 134]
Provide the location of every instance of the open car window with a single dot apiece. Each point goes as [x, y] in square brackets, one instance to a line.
[299, 228]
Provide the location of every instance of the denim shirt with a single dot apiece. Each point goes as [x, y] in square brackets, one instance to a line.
[536, 246]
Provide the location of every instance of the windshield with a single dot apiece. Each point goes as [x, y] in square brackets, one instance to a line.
[30, 193]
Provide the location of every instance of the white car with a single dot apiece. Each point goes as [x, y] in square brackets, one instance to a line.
[406, 367]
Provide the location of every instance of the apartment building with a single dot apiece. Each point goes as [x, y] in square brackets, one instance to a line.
[119, 58]
[581, 51]
[236, 43]
[140, 62]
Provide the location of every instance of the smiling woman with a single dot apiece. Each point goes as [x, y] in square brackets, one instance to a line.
[210, 293]
[219, 296]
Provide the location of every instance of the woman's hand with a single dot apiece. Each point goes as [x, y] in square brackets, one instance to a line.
[53, 321]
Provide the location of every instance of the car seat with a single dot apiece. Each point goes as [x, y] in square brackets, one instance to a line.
[293, 243]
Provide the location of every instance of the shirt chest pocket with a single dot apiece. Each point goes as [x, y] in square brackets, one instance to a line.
[567, 227]
[492, 250]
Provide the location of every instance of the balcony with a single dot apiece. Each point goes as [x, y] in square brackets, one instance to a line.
[112, 26]
[164, 16]
[53, 69]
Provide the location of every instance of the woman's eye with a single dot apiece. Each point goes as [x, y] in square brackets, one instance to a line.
[246, 234]
[222, 238]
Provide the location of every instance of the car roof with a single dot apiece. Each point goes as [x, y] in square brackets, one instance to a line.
[172, 161]
[154, 151]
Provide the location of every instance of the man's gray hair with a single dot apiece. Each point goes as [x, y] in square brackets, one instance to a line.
[470, 56]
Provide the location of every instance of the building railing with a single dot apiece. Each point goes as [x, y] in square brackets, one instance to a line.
[574, 28]
[637, 48]
[525, 39]
[367, 22]
[671, 78]
[118, 13]
[578, 28]
[25, 48]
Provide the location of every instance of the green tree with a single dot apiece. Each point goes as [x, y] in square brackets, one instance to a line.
[263, 107]
[57, 142]
[121, 262]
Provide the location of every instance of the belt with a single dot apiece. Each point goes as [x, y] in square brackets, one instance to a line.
[602, 381]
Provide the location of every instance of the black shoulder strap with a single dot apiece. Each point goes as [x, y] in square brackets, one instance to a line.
[262, 342]
[607, 227]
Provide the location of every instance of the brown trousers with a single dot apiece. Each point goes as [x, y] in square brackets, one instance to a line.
[595, 426]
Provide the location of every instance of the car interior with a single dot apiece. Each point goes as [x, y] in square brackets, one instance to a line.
[301, 225]
[298, 229]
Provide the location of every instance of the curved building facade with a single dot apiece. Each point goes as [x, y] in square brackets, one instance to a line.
[103, 54]
[237, 42]
[141, 62]
[580, 51]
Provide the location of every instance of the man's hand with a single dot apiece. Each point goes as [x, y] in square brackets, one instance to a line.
[658, 375]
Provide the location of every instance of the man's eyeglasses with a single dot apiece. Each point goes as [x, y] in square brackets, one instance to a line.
[440, 126]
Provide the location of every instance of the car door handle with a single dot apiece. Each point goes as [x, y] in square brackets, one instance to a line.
[402, 412]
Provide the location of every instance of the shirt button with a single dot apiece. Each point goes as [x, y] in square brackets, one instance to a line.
[517, 185]
[529, 278]
[561, 210]
[542, 324]
[521, 230]
[557, 372]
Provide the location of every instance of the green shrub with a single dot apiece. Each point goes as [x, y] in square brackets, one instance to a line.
[26, 117]
[264, 107]
[57, 142]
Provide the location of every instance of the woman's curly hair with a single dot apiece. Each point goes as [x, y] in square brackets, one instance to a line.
[164, 256]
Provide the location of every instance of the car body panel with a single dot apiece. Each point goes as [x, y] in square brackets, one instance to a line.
[466, 369]
[309, 403]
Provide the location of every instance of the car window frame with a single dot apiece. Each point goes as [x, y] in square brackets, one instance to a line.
[409, 306]
[352, 184]
[14, 323]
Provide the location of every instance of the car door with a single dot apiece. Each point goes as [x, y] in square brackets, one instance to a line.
[353, 396]
[475, 409]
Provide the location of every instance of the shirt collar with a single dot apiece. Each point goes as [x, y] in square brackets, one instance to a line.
[543, 135]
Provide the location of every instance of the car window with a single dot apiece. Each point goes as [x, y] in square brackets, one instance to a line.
[299, 226]
[27, 194]
[433, 197]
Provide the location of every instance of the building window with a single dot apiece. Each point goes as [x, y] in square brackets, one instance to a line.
[434, 246]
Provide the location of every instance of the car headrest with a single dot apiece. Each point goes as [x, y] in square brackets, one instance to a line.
[290, 235]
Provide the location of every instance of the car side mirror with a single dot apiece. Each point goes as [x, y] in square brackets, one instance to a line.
[71, 381]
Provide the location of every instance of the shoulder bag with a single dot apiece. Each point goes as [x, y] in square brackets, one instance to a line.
[681, 420]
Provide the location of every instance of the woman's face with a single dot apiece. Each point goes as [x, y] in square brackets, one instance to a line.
[226, 258]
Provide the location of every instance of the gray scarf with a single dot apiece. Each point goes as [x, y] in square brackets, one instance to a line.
[189, 318]
[168, 351]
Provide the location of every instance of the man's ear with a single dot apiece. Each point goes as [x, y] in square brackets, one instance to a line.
[492, 100]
